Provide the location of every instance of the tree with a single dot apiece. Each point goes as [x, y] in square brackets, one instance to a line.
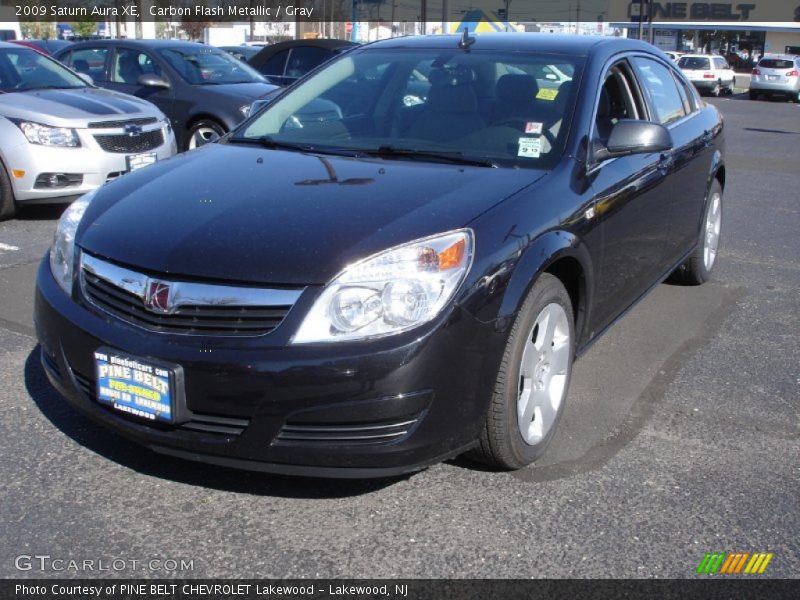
[194, 28]
[37, 30]
[83, 29]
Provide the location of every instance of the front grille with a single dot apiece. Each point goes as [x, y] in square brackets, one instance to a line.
[205, 423]
[123, 123]
[345, 433]
[124, 143]
[207, 309]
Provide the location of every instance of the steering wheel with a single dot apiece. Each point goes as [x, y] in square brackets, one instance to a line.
[515, 124]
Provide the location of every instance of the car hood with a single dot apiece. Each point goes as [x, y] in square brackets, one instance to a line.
[74, 108]
[248, 214]
[244, 92]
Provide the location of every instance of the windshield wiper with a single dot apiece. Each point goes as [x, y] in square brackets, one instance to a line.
[273, 144]
[451, 156]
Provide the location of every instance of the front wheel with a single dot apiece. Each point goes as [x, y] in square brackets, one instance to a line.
[697, 269]
[203, 132]
[532, 381]
[7, 205]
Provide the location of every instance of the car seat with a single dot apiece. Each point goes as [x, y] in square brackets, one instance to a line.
[452, 107]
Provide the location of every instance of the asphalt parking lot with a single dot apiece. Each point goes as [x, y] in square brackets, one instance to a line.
[681, 437]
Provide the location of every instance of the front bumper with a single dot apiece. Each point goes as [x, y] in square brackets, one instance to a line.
[95, 165]
[305, 410]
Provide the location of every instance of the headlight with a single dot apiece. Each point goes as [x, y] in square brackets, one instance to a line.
[45, 135]
[62, 252]
[390, 292]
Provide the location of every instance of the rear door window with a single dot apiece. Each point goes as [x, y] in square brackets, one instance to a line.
[661, 90]
[276, 64]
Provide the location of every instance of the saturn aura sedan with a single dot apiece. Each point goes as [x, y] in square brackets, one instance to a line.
[389, 285]
[61, 137]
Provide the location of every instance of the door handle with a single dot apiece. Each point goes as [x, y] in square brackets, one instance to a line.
[666, 162]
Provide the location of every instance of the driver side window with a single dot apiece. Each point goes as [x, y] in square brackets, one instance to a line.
[618, 99]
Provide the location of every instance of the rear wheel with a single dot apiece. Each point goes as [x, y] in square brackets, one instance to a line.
[697, 269]
[753, 95]
[532, 381]
[8, 207]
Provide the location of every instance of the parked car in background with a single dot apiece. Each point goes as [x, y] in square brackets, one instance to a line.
[674, 54]
[776, 75]
[243, 52]
[49, 47]
[393, 284]
[710, 73]
[285, 62]
[60, 137]
[204, 91]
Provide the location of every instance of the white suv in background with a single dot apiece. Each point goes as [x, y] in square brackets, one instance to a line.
[710, 73]
[776, 74]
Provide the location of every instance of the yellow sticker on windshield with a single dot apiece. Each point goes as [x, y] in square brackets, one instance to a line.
[547, 94]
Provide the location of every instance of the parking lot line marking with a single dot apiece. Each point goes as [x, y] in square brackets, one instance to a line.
[8, 247]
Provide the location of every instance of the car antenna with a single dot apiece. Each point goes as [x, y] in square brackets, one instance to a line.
[466, 40]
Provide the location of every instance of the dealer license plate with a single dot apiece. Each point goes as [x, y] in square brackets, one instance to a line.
[135, 387]
[139, 161]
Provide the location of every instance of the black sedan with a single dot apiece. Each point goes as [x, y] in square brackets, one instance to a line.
[284, 63]
[204, 91]
[392, 283]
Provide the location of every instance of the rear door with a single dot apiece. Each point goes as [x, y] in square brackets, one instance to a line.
[675, 105]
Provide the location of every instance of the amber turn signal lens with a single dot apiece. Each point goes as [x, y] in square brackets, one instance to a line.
[452, 257]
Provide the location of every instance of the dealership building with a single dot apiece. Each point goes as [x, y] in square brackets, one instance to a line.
[744, 27]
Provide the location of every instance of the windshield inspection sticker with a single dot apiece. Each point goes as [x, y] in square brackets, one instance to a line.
[547, 94]
[529, 147]
[533, 128]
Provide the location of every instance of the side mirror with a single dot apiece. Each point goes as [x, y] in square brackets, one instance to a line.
[256, 106]
[86, 77]
[151, 80]
[630, 136]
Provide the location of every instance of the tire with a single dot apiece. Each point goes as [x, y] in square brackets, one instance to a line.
[8, 207]
[753, 95]
[203, 132]
[697, 269]
[536, 365]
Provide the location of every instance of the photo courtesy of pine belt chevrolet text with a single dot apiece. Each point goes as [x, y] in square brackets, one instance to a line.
[392, 262]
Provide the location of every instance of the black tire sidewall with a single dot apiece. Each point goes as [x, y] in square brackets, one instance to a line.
[7, 204]
[704, 274]
[546, 291]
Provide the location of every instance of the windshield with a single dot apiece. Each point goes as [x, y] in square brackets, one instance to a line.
[23, 69]
[499, 108]
[209, 66]
[694, 63]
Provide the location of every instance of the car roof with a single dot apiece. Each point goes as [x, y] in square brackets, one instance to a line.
[142, 43]
[327, 43]
[701, 56]
[780, 56]
[529, 42]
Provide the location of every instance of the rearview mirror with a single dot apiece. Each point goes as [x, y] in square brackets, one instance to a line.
[630, 136]
[86, 77]
[151, 80]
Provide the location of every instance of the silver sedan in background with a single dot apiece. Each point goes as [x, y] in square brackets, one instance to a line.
[61, 137]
